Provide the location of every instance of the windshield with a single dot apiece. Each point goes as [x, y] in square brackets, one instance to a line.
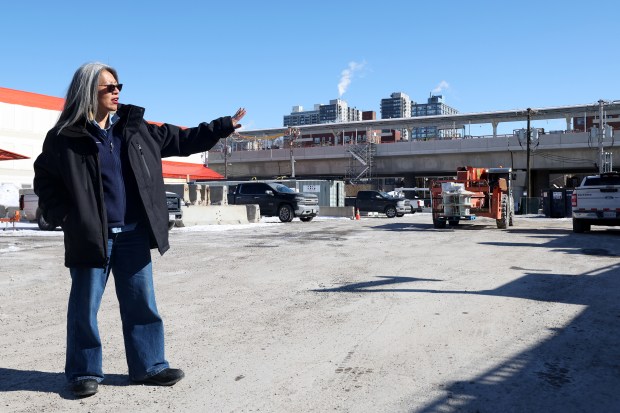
[385, 194]
[602, 180]
[282, 188]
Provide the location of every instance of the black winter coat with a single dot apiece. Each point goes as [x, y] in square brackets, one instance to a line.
[68, 179]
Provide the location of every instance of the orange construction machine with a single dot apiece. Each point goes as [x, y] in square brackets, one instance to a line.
[484, 192]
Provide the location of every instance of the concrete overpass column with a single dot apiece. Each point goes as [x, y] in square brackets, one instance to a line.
[540, 181]
[410, 134]
[495, 123]
[409, 180]
[569, 123]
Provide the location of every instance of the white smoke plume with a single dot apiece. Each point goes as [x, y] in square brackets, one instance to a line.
[347, 75]
[443, 85]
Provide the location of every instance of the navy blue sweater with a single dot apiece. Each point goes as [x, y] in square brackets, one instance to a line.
[120, 191]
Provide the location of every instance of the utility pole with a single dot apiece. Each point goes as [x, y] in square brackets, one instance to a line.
[294, 134]
[601, 136]
[292, 162]
[226, 158]
[529, 178]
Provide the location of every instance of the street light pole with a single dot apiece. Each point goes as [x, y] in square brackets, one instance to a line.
[529, 178]
[601, 135]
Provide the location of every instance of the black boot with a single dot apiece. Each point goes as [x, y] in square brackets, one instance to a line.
[166, 377]
[84, 388]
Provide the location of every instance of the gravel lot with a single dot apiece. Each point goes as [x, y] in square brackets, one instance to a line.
[376, 315]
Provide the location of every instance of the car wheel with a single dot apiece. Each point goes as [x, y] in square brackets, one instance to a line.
[42, 223]
[390, 211]
[579, 226]
[306, 219]
[285, 213]
[439, 223]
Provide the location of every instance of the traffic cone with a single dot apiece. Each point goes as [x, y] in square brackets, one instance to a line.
[357, 214]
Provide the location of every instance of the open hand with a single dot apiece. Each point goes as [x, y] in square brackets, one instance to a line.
[237, 117]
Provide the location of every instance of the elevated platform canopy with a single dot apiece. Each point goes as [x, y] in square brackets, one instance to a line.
[455, 121]
[11, 156]
[189, 171]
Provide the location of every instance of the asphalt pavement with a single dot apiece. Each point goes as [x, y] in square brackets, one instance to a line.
[339, 315]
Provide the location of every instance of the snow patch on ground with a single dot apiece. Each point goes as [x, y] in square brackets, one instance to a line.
[10, 248]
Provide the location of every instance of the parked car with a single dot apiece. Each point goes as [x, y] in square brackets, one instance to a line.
[175, 213]
[275, 199]
[596, 201]
[379, 201]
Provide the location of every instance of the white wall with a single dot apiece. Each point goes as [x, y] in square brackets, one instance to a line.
[22, 130]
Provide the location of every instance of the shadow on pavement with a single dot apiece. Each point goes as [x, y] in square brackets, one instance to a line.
[47, 382]
[363, 287]
[576, 369]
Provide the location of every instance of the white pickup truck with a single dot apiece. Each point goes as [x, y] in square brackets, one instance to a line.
[596, 201]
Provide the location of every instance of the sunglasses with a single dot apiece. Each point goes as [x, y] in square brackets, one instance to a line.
[110, 88]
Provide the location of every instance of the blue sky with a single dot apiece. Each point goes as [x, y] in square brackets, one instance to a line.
[191, 61]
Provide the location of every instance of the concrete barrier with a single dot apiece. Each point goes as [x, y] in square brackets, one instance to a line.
[215, 214]
[253, 212]
[193, 194]
[241, 214]
[348, 211]
[219, 195]
[198, 194]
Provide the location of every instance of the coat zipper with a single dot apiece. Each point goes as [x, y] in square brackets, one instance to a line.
[85, 174]
[148, 172]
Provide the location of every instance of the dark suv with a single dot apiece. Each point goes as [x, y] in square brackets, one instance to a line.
[275, 199]
[175, 213]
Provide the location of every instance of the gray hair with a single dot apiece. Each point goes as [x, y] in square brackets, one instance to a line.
[81, 101]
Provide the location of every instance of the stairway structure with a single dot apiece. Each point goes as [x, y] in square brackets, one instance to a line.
[361, 162]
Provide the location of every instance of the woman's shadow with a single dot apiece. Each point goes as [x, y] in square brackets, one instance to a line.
[46, 382]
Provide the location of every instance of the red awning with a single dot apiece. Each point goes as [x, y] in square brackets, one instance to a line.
[11, 156]
[182, 170]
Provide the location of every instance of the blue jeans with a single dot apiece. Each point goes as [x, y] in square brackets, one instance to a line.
[143, 329]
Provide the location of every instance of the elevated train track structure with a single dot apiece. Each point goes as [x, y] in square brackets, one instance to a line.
[562, 152]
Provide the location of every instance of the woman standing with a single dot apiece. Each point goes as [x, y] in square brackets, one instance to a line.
[99, 176]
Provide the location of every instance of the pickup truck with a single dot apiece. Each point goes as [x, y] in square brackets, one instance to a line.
[275, 199]
[30, 211]
[596, 201]
[379, 201]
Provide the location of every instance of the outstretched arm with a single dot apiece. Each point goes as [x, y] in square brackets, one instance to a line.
[175, 141]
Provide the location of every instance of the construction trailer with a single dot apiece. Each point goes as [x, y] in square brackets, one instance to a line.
[476, 192]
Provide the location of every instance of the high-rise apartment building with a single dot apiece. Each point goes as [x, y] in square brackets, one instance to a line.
[336, 111]
[300, 117]
[434, 106]
[398, 105]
